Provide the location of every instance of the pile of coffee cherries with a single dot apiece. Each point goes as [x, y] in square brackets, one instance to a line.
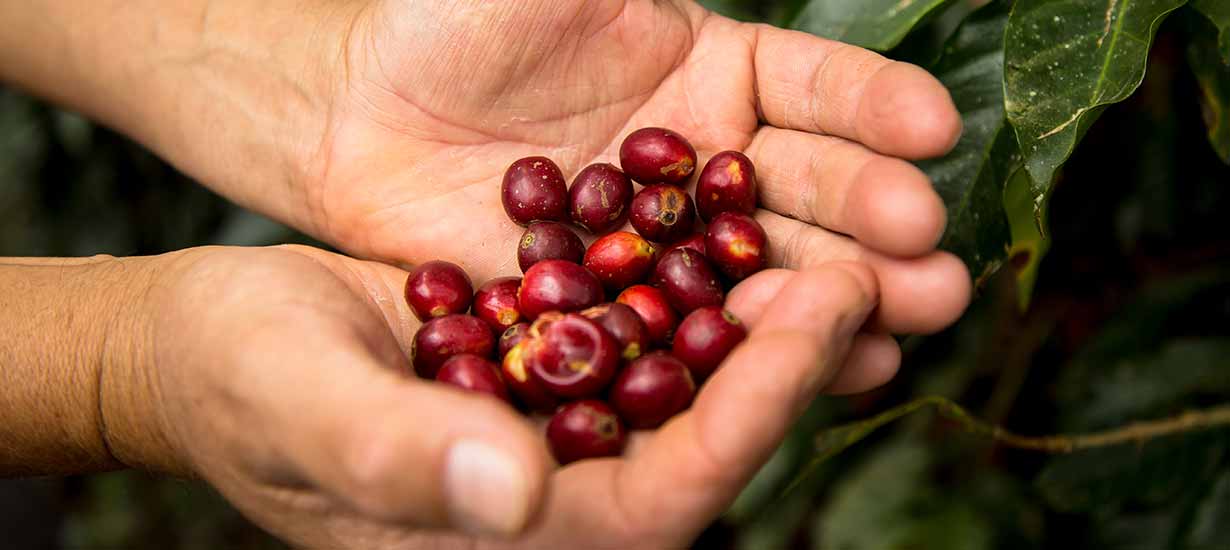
[594, 337]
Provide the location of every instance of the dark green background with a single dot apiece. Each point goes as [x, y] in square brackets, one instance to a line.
[1130, 321]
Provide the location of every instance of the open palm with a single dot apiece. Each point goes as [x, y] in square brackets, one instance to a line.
[440, 97]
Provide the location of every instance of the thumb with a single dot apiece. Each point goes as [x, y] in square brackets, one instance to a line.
[397, 449]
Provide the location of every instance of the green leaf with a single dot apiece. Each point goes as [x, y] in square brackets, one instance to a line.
[1218, 11]
[971, 178]
[1026, 222]
[1152, 473]
[1213, 74]
[889, 502]
[874, 24]
[1065, 60]
[1208, 530]
[1153, 384]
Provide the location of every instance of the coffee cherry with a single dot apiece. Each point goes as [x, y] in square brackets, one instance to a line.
[737, 244]
[599, 198]
[444, 337]
[652, 390]
[438, 288]
[473, 373]
[663, 213]
[534, 190]
[727, 184]
[585, 429]
[620, 259]
[705, 338]
[695, 242]
[496, 303]
[572, 356]
[625, 325]
[657, 155]
[688, 280]
[512, 336]
[548, 241]
[557, 285]
[529, 391]
[653, 308]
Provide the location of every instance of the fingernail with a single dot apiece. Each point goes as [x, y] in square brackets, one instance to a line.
[486, 488]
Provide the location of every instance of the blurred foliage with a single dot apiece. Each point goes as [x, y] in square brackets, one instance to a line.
[1129, 319]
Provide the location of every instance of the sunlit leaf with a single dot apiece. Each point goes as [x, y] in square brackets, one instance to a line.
[1213, 73]
[1218, 11]
[1065, 60]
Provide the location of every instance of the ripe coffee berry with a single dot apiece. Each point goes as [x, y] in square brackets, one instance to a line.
[534, 190]
[572, 356]
[548, 241]
[652, 306]
[585, 429]
[657, 155]
[625, 325]
[512, 336]
[522, 383]
[620, 259]
[444, 337]
[727, 184]
[651, 390]
[496, 303]
[695, 242]
[688, 280]
[438, 288]
[705, 338]
[557, 285]
[473, 373]
[663, 213]
[737, 244]
[599, 197]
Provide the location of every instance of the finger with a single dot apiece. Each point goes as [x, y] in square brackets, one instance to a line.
[873, 361]
[918, 295]
[884, 202]
[397, 449]
[697, 463]
[815, 85]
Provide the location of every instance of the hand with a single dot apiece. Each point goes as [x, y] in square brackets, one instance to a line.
[279, 376]
[438, 98]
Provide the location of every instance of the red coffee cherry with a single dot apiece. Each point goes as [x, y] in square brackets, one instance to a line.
[688, 280]
[585, 429]
[657, 155]
[529, 391]
[737, 244]
[436, 289]
[512, 336]
[599, 198]
[727, 184]
[548, 241]
[473, 373]
[557, 285]
[705, 338]
[496, 303]
[444, 337]
[663, 213]
[534, 190]
[652, 306]
[625, 324]
[572, 356]
[651, 390]
[620, 259]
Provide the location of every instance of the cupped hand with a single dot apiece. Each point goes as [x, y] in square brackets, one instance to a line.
[281, 378]
[437, 98]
